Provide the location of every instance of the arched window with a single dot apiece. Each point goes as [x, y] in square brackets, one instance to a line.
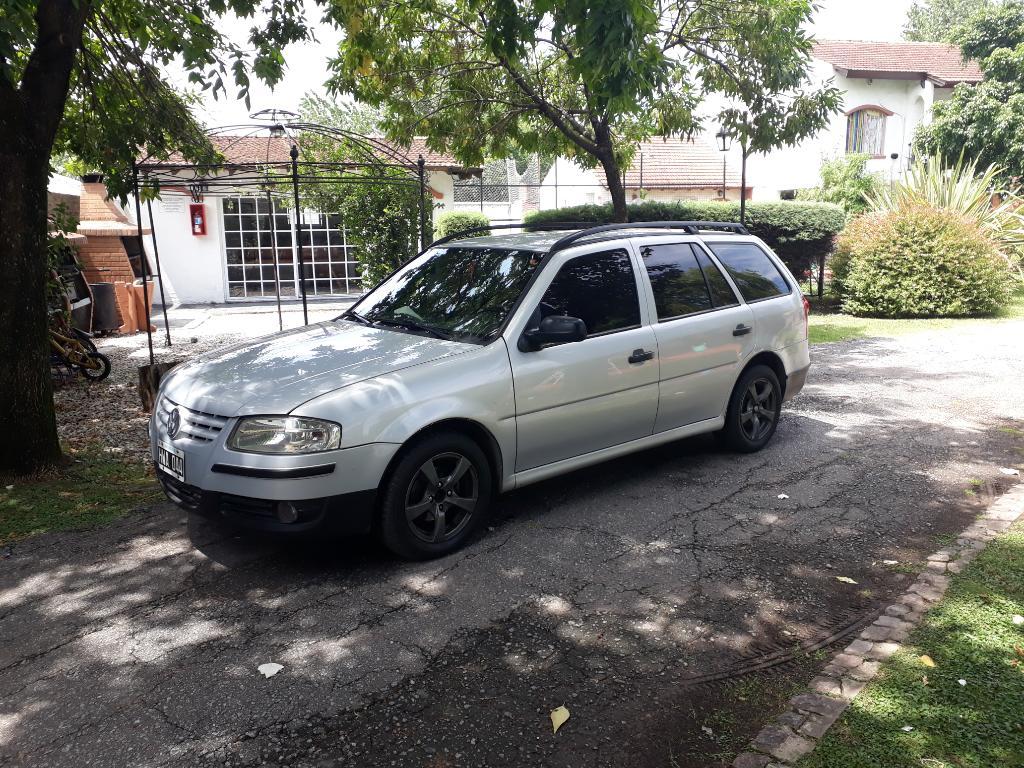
[865, 130]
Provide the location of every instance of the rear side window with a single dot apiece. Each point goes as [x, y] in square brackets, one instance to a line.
[721, 292]
[676, 278]
[751, 269]
[599, 288]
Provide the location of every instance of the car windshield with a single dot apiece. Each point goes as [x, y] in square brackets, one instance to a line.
[458, 293]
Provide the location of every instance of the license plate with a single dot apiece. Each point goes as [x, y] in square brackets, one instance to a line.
[171, 460]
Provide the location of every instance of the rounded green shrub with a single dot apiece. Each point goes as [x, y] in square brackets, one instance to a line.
[454, 222]
[918, 262]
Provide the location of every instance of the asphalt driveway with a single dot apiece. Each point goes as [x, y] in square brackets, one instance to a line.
[618, 591]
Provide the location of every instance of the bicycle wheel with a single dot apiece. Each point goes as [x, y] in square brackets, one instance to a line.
[97, 368]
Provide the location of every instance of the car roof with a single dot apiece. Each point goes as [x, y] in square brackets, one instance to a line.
[543, 241]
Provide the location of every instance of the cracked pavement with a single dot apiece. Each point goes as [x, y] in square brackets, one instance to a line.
[612, 590]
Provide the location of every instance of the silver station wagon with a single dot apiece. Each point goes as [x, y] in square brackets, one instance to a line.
[482, 365]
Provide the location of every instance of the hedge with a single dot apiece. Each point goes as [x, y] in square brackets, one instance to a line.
[800, 232]
[453, 222]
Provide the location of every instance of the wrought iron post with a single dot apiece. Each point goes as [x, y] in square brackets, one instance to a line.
[743, 186]
[142, 259]
[277, 263]
[294, 154]
[159, 270]
[421, 172]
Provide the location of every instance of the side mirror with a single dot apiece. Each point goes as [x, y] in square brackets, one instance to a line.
[554, 329]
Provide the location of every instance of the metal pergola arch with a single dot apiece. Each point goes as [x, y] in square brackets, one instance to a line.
[373, 161]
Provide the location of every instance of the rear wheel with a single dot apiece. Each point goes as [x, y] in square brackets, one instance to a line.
[95, 367]
[754, 409]
[435, 497]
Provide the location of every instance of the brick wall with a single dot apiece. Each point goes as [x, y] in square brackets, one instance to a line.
[104, 260]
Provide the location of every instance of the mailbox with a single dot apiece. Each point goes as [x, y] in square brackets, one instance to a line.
[197, 217]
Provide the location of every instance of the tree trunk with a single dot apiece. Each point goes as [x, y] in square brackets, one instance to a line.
[28, 426]
[613, 176]
[29, 120]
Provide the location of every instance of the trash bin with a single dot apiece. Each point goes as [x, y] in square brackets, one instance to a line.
[104, 313]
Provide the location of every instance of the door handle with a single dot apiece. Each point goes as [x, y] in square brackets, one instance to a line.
[640, 355]
[741, 330]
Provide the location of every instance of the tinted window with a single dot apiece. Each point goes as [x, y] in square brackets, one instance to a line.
[464, 292]
[721, 293]
[751, 269]
[679, 287]
[598, 288]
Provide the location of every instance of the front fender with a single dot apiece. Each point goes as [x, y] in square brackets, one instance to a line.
[393, 407]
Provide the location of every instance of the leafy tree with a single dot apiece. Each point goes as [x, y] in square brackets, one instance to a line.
[846, 182]
[352, 116]
[83, 77]
[985, 121]
[587, 79]
[939, 20]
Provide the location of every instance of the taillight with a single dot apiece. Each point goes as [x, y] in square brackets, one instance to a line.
[807, 311]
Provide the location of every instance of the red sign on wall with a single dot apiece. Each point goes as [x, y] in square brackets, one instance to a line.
[197, 216]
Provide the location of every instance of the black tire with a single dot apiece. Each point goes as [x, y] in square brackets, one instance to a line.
[100, 373]
[753, 412]
[85, 338]
[419, 525]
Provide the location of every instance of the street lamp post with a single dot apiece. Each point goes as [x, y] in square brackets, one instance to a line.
[724, 141]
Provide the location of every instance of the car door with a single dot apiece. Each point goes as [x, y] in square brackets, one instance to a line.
[575, 398]
[703, 331]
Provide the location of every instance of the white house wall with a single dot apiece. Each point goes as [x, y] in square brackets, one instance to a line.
[193, 265]
[799, 167]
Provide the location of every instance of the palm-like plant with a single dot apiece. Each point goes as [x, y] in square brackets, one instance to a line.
[961, 188]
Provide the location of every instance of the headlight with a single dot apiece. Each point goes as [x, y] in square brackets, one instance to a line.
[285, 434]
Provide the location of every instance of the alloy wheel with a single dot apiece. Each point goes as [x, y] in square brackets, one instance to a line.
[442, 497]
[758, 409]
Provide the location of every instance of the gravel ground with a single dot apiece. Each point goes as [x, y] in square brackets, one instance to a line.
[108, 413]
[622, 591]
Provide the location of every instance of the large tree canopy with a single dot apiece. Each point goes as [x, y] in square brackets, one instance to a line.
[85, 77]
[939, 20]
[580, 78]
[986, 121]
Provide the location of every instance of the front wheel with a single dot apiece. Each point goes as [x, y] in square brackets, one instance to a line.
[95, 367]
[435, 497]
[753, 412]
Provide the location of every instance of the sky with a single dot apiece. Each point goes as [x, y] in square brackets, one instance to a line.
[307, 62]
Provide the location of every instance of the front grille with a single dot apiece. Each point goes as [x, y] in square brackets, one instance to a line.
[198, 425]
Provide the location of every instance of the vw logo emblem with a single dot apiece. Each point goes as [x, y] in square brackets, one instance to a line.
[173, 423]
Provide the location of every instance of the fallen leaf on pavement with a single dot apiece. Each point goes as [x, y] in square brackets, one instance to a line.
[845, 580]
[783, 496]
[558, 717]
[707, 730]
[890, 562]
[1009, 471]
[270, 669]
[927, 661]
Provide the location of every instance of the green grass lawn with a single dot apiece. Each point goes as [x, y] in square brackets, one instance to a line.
[826, 325]
[970, 636]
[93, 488]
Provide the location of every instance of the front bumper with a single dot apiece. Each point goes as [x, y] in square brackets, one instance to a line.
[349, 513]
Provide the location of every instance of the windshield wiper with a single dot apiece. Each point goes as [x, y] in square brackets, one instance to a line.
[412, 325]
[357, 317]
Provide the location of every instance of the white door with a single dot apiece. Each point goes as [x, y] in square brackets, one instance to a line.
[579, 397]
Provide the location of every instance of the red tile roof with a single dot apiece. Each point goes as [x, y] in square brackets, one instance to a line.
[675, 162]
[940, 62]
[268, 149]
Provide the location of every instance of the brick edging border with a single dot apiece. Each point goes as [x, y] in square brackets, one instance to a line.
[797, 731]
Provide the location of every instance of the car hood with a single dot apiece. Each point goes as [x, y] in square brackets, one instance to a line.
[278, 373]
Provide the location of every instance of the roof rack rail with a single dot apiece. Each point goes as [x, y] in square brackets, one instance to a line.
[690, 227]
[539, 227]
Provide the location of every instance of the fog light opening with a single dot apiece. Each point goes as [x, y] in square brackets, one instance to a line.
[286, 512]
